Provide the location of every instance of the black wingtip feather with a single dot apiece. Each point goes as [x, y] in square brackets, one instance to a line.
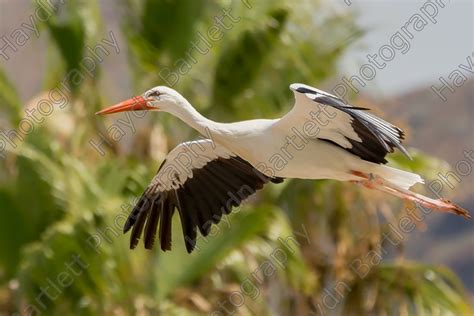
[132, 218]
[203, 213]
[188, 219]
[138, 228]
[152, 225]
[165, 225]
[277, 180]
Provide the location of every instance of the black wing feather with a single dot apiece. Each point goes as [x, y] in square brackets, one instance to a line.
[212, 191]
[202, 210]
[378, 137]
[152, 225]
[165, 224]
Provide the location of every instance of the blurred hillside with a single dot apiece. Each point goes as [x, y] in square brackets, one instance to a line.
[443, 129]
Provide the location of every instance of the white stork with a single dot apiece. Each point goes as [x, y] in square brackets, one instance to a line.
[322, 137]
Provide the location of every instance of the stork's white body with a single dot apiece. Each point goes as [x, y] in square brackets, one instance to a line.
[264, 144]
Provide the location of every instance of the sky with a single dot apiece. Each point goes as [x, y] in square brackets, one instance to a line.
[434, 51]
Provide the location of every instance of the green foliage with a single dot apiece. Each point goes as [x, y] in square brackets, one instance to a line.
[160, 29]
[9, 98]
[240, 229]
[409, 288]
[73, 26]
[24, 221]
[240, 61]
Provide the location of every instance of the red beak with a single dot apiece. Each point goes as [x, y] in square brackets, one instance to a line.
[134, 104]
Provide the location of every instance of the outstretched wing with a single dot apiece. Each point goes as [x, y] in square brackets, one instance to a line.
[200, 179]
[351, 128]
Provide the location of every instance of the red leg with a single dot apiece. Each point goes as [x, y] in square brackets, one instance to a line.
[377, 183]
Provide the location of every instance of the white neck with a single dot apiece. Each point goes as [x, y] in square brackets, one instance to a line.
[189, 115]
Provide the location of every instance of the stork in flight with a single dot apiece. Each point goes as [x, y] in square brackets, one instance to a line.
[336, 141]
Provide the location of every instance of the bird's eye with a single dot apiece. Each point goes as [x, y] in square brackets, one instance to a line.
[154, 94]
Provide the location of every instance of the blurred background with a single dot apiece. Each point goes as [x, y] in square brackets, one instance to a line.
[68, 178]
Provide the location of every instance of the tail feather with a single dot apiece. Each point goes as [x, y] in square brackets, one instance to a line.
[401, 178]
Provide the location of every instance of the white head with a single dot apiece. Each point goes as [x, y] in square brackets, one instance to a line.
[159, 98]
[163, 98]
